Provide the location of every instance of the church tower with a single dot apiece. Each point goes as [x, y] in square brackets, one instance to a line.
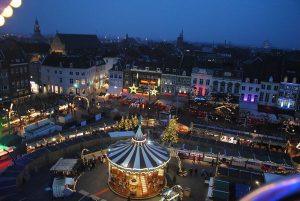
[36, 29]
[37, 36]
[179, 43]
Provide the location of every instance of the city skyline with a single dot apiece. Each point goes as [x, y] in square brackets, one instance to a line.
[239, 23]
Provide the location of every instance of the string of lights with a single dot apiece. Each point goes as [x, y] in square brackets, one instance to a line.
[7, 9]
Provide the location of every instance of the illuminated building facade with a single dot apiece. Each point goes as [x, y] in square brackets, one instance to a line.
[226, 82]
[72, 75]
[115, 80]
[201, 81]
[269, 92]
[173, 84]
[289, 96]
[14, 71]
[144, 79]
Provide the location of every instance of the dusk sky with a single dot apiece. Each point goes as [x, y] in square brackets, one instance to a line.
[242, 22]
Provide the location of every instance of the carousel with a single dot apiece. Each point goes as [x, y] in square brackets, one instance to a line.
[137, 167]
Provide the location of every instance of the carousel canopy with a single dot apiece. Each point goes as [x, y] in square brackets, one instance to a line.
[138, 153]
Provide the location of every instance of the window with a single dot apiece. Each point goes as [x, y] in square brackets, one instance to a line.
[55, 72]
[60, 80]
[48, 79]
[261, 96]
[207, 82]
[273, 98]
[200, 91]
[250, 88]
[255, 98]
[116, 76]
[242, 97]
[268, 87]
[195, 81]
[83, 82]
[257, 89]
[77, 81]
[275, 88]
[120, 76]
[263, 86]
[48, 71]
[77, 73]
[249, 97]
[60, 72]
[111, 75]
[71, 81]
[267, 97]
[243, 88]
[71, 72]
[201, 81]
[25, 70]
[83, 73]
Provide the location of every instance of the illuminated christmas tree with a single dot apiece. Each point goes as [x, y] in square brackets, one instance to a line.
[170, 133]
[135, 121]
[128, 124]
[121, 124]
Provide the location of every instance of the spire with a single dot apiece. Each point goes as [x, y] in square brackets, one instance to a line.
[139, 134]
[140, 120]
[36, 26]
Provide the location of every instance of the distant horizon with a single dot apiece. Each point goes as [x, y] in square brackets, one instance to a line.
[111, 36]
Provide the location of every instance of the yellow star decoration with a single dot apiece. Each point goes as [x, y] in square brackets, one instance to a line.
[133, 89]
[154, 92]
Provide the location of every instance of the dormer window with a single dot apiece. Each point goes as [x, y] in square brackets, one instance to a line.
[247, 79]
[256, 81]
[147, 68]
[168, 69]
[174, 70]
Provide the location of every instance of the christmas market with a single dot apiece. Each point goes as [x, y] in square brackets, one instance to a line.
[137, 167]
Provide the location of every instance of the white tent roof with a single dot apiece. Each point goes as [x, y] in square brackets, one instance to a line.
[121, 134]
[64, 165]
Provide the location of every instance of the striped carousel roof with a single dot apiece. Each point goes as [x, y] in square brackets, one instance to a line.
[138, 153]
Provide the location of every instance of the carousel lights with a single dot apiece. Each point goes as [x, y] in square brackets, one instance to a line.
[16, 3]
[8, 10]
[2, 20]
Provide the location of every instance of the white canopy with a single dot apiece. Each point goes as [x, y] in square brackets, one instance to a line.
[121, 134]
[64, 165]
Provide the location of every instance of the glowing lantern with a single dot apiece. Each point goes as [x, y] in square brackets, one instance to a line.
[7, 12]
[16, 3]
[2, 20]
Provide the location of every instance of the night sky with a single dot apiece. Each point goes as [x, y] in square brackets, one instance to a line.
[242, 22]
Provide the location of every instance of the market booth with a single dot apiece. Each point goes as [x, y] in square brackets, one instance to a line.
[137, 167]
